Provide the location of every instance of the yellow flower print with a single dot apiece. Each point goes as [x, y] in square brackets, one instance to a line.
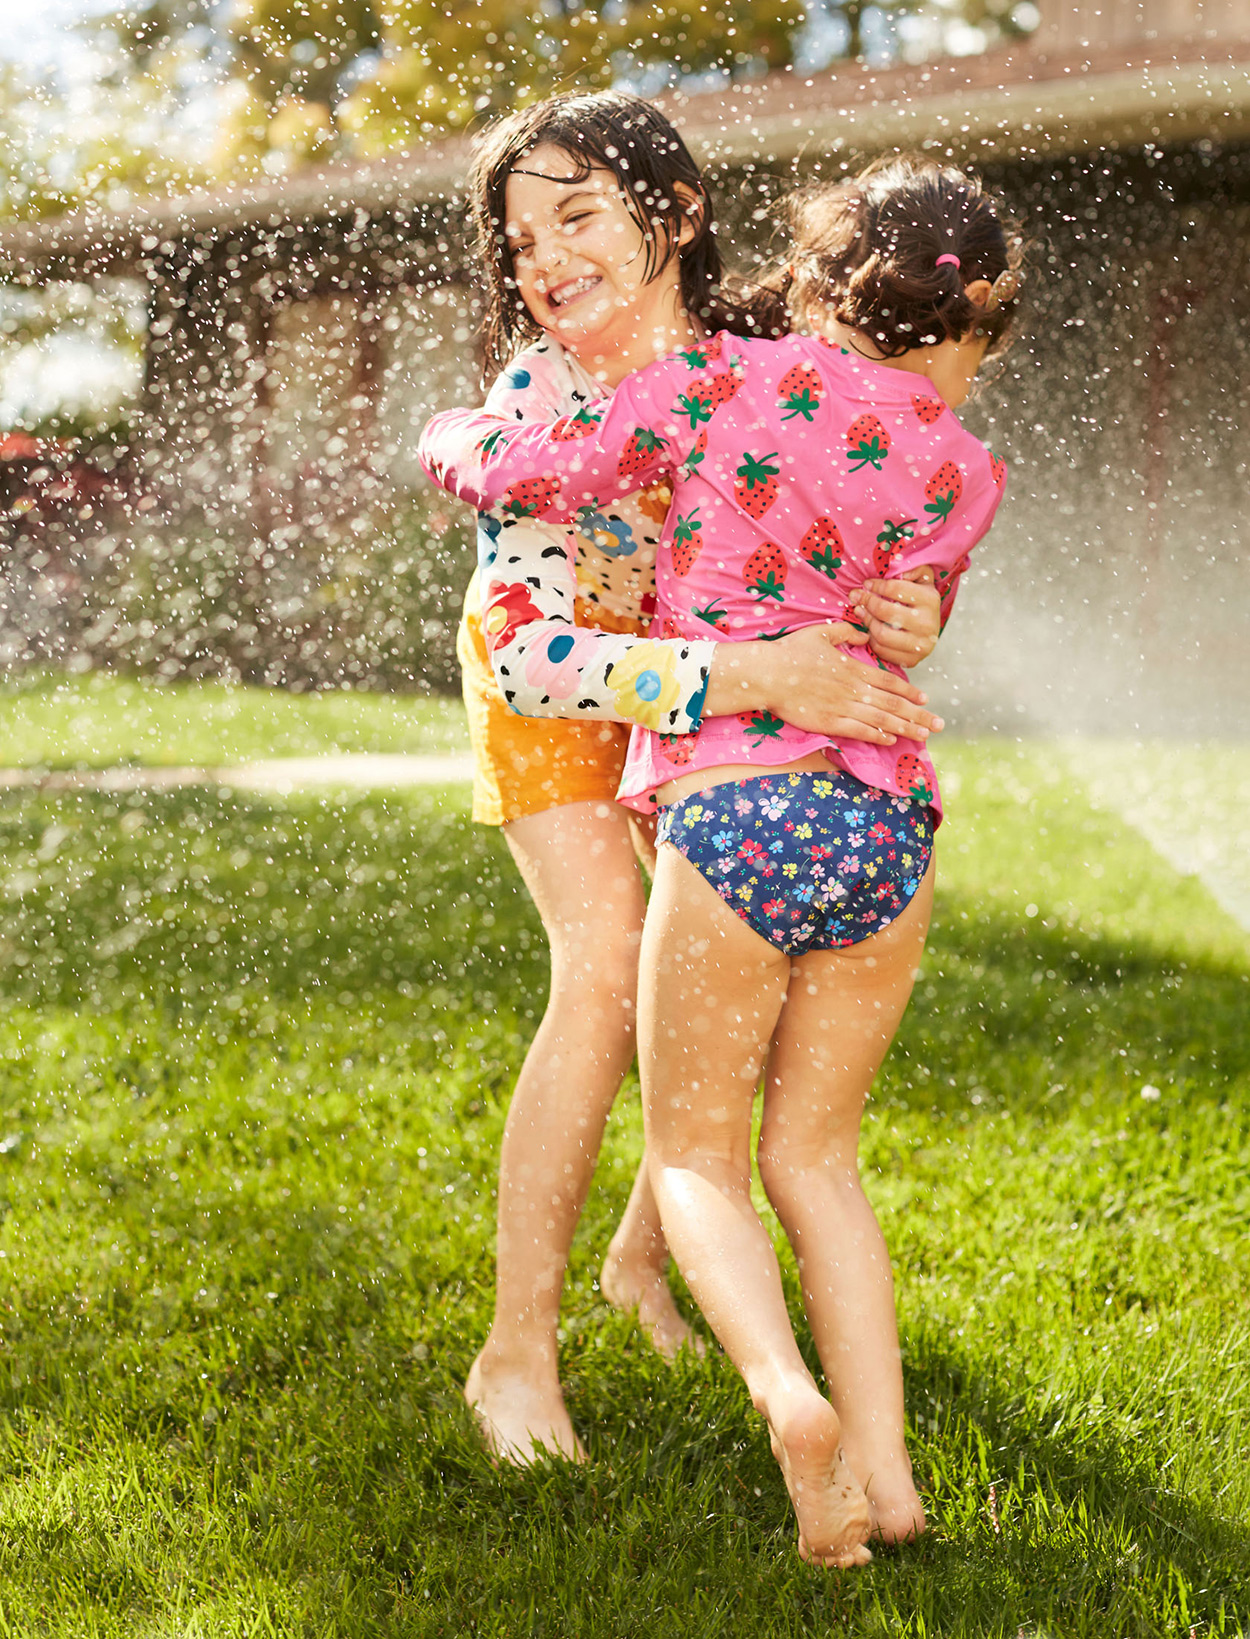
[822, 788]
[790, 868]
[870, 870]
[654, 502]
[645, 684]
[692, 815]
[803, 832]
[746, 892]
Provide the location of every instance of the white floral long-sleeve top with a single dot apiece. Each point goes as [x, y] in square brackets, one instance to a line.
[564, 610]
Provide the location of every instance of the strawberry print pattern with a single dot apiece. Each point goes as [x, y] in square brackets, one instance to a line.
[755, 484]
[799, 471]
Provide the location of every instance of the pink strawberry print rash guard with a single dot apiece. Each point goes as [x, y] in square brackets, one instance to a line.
[800, 470]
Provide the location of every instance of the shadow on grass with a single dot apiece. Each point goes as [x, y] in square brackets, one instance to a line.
[271, 1314]
[1079, 1522]
[1030, 1013]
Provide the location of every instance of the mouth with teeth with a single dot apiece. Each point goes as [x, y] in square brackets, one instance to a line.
[572, 290]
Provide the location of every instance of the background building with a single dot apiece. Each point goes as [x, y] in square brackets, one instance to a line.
[299, 333]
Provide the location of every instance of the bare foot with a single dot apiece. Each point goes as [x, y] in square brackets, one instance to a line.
[635, 1285]
[832, 1510]
[519, 1419]
[896, 1510]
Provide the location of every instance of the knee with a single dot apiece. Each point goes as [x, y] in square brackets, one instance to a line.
[788, 1165]
[696, 1139]
[594, 993]
[778, 1170]
[600, 960]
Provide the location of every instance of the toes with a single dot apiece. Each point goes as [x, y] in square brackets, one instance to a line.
[839, 1559]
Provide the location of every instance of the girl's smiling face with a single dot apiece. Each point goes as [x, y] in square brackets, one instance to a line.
[581, 266]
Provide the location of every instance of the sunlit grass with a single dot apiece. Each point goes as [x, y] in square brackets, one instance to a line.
[256, 1055]
[49, 720]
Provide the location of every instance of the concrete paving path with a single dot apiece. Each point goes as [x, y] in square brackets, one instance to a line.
[1191, 804]
[280, 774]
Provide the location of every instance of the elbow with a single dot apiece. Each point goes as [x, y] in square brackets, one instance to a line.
[520, 702]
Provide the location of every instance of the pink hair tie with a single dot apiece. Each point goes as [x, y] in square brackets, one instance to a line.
[948, 257]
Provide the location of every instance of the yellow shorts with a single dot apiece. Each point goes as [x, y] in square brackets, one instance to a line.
[525, 765]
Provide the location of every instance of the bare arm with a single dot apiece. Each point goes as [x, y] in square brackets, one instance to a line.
[806, 680]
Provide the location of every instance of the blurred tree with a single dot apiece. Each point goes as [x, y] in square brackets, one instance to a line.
[444, 65]
[851, 13]
[307, 77]
[1000, 19]
[26, 189]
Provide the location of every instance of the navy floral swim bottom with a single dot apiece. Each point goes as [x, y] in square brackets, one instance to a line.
[810, 861]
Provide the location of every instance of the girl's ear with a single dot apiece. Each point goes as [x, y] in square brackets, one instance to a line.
[978, 291]
[691, 213]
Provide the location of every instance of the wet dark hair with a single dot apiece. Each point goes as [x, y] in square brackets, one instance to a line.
[615, 132]
[867, 249]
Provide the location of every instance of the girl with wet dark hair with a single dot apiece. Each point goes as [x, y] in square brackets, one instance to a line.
[630, 140]
[794, 875]
[598, 252]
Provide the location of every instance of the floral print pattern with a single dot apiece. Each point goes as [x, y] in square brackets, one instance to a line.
[563, 606]
[810, 861]
[645, 684]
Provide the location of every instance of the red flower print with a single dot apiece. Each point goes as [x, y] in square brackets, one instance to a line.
[510, 607]
[773, 907]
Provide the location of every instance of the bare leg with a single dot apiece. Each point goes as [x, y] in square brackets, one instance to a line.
[635, 1272]
[578, 863]
[710, 995]
[842, 1012]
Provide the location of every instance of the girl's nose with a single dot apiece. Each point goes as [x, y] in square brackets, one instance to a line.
[550, 253]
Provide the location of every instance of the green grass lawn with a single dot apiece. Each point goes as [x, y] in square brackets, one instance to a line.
[256, 1055]
[53, 721]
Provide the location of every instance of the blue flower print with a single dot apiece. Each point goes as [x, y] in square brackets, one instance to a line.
[612, 536]
[488, 532]
[803, 881]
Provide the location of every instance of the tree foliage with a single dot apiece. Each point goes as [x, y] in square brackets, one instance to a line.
[282, 82]
[308, 77]
[444, 66]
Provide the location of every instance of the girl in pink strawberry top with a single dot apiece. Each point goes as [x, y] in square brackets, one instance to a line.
[812, 465]
[794, 876]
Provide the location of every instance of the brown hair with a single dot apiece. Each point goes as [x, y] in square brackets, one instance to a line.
[867, 249]
[615, 132]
